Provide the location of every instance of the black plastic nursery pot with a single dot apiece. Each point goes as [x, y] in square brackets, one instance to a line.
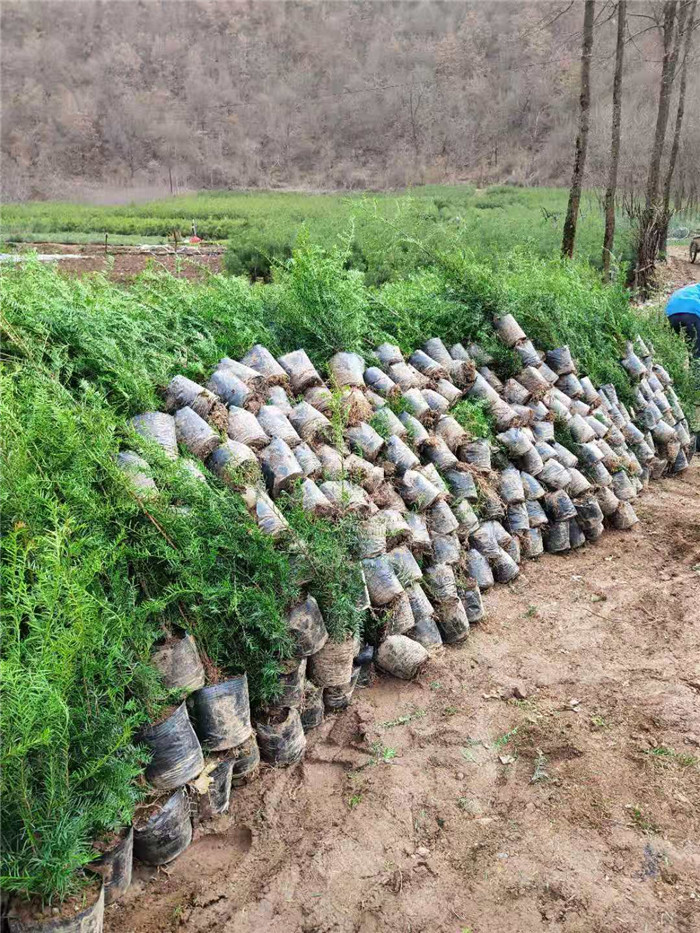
[179, 663]
[115, 864]
[281, 739]
[426, 633]
[364, 660]
[246, 759]
[26, 917]
[452, 621]
[472, 602]
[165, 830]
[339, 697]
[291, 681]
[176, 755]
[212, 798]
[221, 714]
[307, 628]
[313, 711]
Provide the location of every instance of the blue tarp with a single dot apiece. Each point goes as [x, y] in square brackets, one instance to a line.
[685, 301]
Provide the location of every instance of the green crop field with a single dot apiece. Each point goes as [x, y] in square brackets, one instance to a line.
[265, 226]
[92, 576]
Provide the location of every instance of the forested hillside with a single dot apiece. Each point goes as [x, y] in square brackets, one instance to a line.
[170, 95]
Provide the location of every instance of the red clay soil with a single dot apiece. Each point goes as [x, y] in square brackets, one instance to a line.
[545, 776]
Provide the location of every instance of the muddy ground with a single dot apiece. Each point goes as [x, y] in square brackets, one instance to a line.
[545, 776]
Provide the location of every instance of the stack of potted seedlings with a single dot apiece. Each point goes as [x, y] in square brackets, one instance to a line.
[441, 516]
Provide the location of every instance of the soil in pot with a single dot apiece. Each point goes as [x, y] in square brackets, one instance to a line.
[83, 913]
[426, 633]
[221, 714]
[472, 602]
[164, 830]
[176, 755]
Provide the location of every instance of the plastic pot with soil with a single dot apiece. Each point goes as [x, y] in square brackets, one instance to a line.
[312, 711]
[401, 656]
[301, 371]
[81, 914]
[472, 602]
[426, 633]
[452, 621]
[211, 792]
[382, 582]
[479, 569]
[332, 665]
[183, 392]
[509, 330]
[221, 714]
[307, 628]
[531, 543]
[291, 682]
[195, 434]
[504, 567]
[398, 617]
[159, 427]
[280, 467]
[176, 755]
[178, 662]
[281, 738]
[440, 582]
[245, 761]
[163, 829]
[338, 698]
[115, 863]
[262, 361]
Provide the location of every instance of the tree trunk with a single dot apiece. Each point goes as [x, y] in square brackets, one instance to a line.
[609, 237]
[648, 244]
[567, 245]
[687, 36]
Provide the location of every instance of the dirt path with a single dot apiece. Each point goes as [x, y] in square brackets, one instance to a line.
[543, 777]
[679, 270]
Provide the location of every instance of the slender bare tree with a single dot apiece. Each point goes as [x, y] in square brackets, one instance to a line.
[569, 237]
[609, 237]
[685, 35]
[648, 233]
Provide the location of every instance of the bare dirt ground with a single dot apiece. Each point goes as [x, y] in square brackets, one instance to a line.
[545, 776]
[124, 263]
[679, 270]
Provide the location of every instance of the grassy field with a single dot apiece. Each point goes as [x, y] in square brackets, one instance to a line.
[91, 577]
[264, 226]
